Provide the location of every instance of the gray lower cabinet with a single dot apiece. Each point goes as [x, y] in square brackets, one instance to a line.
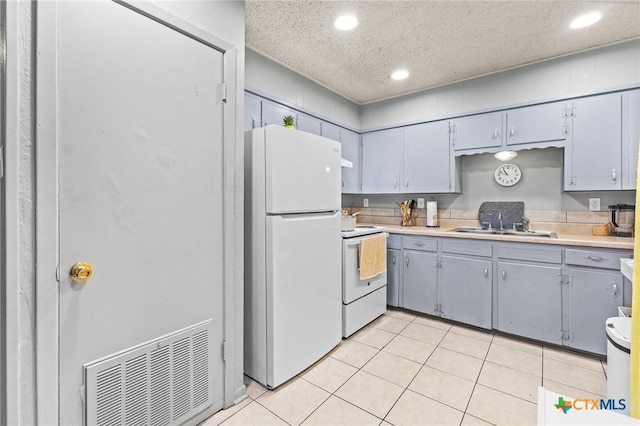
[554, 294]
[464, 287]
[420, 281]
[593, 296]
[529, 300]
[394, 261]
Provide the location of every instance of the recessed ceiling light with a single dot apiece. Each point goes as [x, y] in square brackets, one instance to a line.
[585, 20]
[345, 22]
[399, 74]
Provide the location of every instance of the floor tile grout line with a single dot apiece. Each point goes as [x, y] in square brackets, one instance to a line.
[475, 385]
[423, 364]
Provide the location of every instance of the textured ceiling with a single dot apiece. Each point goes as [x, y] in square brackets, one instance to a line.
[439, 42]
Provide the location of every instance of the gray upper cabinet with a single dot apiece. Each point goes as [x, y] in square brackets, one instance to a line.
[382, 161]
[350, 151]
[273, 113]
[330, 131]
[630, 138]
[426, 165]
[535, 124]
[252, 105]
[308, 124]
[593, 154]
[477, 131]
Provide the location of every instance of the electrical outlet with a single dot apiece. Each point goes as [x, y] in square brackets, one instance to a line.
[594, 204]
[365, 202]
[421, 203]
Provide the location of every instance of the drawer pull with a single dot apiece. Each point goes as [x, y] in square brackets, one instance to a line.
[596, 258]
[419, 244]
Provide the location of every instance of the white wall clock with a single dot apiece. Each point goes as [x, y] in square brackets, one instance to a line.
[508, 174]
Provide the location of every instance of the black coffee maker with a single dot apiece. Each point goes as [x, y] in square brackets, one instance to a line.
[623, 217]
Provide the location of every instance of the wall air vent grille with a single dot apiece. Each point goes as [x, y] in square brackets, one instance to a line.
[163, 382]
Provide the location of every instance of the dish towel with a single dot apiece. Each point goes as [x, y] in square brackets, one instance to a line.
[373, 256]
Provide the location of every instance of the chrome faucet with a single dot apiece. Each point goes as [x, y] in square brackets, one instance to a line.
[500, 219]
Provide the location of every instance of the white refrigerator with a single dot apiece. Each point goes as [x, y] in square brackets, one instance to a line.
[293, 296]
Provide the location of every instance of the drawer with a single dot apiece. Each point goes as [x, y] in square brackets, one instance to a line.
[595, 259]
[394, 241]
[468, 247]
[420, 243]
[530, 252]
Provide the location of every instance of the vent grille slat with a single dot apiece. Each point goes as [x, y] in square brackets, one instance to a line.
[160, 387]
[136, 391]
[161, 383]
[200, 368]
[109, 387]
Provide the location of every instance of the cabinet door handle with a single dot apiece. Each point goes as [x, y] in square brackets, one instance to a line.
[395, 183]
[504, 274]
[406, 185]
[614, 293]
[512, 132]
[393, 260]
[486, 272]
[343, 183]
[407, 260]
[496, 135]
[614, 176]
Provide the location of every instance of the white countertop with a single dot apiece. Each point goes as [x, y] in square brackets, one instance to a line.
[563, 239]
[626, 267]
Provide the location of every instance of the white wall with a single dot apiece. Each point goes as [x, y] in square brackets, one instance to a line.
[274, 81]
[225, 20]
[594, 71]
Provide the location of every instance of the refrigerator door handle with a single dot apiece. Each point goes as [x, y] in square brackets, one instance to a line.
[306, 216]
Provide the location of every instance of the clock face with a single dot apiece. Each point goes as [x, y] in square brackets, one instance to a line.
[508, 174]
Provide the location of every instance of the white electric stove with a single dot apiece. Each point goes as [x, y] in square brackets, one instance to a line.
[362, 300]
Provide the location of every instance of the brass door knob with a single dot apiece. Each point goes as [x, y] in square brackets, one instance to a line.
[81, 272]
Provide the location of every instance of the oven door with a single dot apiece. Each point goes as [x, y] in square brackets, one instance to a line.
[353, 287]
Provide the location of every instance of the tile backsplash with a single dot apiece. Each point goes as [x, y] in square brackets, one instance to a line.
[566, 222]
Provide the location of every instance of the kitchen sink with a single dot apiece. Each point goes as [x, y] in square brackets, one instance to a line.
[472, 230]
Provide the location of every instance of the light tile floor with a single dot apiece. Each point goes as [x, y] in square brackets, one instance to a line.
[407, 369]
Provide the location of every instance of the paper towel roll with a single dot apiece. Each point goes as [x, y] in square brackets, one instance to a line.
[432, 213]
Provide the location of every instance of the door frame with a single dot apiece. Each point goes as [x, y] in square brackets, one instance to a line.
[47, 229]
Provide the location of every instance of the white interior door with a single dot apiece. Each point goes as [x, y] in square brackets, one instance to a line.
[141, 184]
